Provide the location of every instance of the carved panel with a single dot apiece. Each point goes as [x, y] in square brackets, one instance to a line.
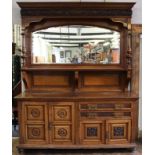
[118, 131]
[62, 132]
[91, 132]
[35, 112]
[62, 113]
[35, 132]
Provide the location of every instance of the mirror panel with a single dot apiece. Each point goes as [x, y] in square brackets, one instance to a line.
[76, 44]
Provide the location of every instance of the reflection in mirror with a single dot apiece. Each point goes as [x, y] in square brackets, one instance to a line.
[76, 44]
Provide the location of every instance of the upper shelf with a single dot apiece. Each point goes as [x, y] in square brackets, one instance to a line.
[74, 67]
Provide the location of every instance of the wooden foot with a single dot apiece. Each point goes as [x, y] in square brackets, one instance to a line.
[21, 151]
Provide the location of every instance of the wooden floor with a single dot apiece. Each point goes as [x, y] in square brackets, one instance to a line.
[137, 151]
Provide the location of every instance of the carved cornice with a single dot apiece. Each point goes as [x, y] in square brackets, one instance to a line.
[76, 9]
[67, 12]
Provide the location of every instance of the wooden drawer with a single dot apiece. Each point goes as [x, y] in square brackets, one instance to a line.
[104, 106]
[100, 115]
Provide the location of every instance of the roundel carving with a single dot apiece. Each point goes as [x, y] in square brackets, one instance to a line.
[35, 112]
[62, 132]
[62, 113]
[35, 131]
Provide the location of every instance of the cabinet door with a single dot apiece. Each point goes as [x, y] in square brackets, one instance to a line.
[35, 122]
[91, 132]
[61, 119]
[118, 131]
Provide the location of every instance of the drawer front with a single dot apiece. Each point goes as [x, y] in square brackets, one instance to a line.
[105, 106]
[100, 115]
[103, 110]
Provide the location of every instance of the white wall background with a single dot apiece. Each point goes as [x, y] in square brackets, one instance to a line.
[136, 19]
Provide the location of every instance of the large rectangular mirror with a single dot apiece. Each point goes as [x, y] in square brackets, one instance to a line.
[76, 44]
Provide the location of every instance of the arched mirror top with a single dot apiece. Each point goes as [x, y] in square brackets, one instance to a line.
[76, 33]
[75, 44]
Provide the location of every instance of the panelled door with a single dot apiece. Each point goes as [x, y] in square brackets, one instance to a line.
[35, 123]
[111, 131]
[61, 123]
[91, 132]
[118, 131]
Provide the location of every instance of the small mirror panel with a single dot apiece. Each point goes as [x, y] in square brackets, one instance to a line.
[76, 44]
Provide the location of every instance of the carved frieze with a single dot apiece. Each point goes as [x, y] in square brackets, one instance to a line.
[74, 12]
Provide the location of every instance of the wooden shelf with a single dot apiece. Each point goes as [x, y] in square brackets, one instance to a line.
[74, 67]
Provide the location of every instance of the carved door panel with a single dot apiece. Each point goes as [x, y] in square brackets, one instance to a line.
[35, 126]
[118, 131]
[61, 123]
[91, 132]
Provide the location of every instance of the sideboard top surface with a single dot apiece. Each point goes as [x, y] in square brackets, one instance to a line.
[76, 96]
